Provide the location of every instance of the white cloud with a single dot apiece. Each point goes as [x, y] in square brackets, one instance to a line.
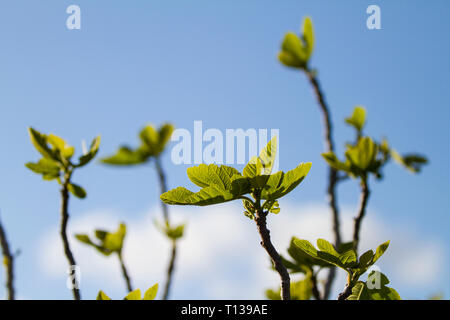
[220, 256]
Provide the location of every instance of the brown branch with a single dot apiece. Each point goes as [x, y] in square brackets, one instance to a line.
[365, 193]
[125, 273]
[261, 223]
[9, 263]
[332, 174]
[63, 233]
[165, 209]
[346, 293]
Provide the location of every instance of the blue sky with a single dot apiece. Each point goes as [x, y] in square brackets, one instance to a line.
[142, 62]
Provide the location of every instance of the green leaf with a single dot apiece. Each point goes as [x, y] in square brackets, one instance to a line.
[206, 196]
[150, 294]
[134, 295]
[412, 162]
[66, 151]
[48, 168]
[358, 118]
[93, 150]
[366, 258]
[39, 141]
[292, 52]
[380, 251]
[267, 156]
[303, 261]
[308, 37]
[335, 163]
[172, 232]
[253, 168]
[358, 292]
[348, 259]
[363, 155]
[77, 191]
[114, 241]
[327, 253]
[362, 291]
[126, 156]
[286, 182]
[306, 247]
[165, 132]
[84, 238]
[102, 296]
[175, 232]
[212, 175]
[150, 139]
[326, 246]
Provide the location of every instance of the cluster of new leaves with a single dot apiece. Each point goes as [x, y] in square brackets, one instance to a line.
[374, 289]
[367, 156]
[107, 242]
[348, 261]
[56, 161]
[301, 262]
[172, 232]
[223, 183]
[152, 144]
[150, 294]
[296, 50]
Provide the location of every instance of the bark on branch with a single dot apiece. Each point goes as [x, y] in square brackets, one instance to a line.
[365, 193]
[65, 240]
[332, 174]
[261, 223]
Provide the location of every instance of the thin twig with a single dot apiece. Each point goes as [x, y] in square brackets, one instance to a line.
[125, 273]
[63, 232]
[315, 288]
[165, 210]
[365, 193]
[170, 270]
[9, 263]
[261, 223]
[332, 174]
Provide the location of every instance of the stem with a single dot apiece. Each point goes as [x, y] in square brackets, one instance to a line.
[170, 270]
[365, 193]
[63, 232]
[125, 273]
[165, 210]
[9, 263]
[315, 289]
[332, 175]
[261, 223]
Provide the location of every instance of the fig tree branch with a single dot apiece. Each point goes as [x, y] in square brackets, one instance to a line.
[63, 233]
[332, 173]
[165, 210]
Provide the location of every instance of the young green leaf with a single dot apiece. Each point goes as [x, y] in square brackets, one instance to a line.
[93, 150]
[39, 141]
[102, 296]
[48, 168]
[308, 37]
[134, 295]
[150, 294]
[77, 191]
[358, 118]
